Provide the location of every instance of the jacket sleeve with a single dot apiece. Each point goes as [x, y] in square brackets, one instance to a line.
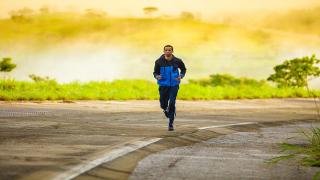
[182, 68]
[156, 70]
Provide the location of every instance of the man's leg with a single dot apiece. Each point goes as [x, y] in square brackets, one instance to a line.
[164, 97]
[172, 105]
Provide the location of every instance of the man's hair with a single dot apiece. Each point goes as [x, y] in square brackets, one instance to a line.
[168, 45]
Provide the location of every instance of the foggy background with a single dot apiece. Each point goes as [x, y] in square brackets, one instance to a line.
[242, 38]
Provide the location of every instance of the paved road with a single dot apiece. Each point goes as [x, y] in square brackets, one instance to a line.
[238, 155]
[106, 139]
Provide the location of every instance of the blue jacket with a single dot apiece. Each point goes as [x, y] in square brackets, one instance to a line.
[169, 71]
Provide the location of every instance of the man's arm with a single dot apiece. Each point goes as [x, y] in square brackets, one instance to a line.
[182, 68]
[156, 71]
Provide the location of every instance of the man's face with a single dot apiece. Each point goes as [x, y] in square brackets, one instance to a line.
[167, 51]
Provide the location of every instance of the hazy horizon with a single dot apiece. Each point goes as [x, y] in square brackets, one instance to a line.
[205, 9]
[71, 47]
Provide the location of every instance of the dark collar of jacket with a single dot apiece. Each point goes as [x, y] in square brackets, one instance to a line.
[163, 58]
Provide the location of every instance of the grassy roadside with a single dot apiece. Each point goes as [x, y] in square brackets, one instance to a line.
[305, 154]
[12, 90]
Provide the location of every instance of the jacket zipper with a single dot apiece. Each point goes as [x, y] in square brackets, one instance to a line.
[170, 76]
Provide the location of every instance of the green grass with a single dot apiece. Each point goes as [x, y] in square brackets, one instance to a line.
[12, 90]
[306, 154]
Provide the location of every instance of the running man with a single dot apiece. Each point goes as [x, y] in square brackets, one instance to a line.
[168, 77]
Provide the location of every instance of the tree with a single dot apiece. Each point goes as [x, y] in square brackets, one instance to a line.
[37, 78]
[44, 10]
[6, 65]
[187, 15]
[295, 72]
[150, 10]
[21, 15]
[25, 11]
[94, 13]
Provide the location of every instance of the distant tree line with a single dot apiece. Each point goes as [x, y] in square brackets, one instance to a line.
[291, 73]
[25, 14]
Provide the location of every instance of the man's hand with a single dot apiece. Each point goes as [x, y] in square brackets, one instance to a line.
[158, 77]
[178, 78]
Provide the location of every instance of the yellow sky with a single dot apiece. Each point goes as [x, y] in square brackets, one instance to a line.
[205, 8]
